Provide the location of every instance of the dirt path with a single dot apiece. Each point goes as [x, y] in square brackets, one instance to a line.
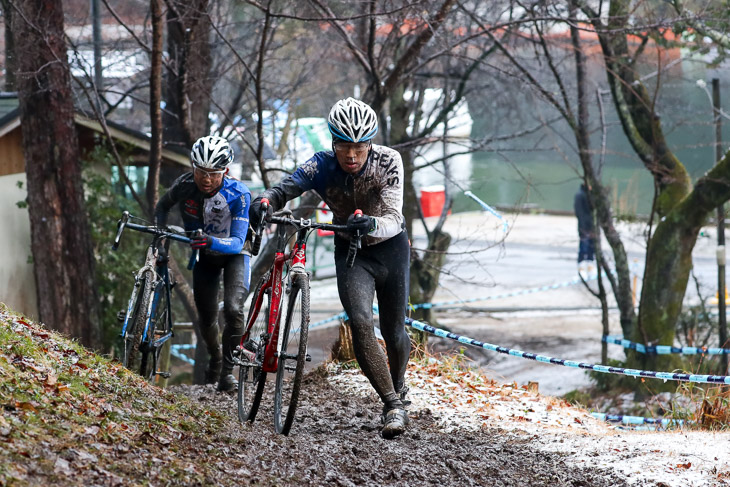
[336, 441]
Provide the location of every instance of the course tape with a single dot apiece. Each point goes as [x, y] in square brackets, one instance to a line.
[706, 379]
[637, 420]
[663, 349]
[338, 316]
[439, 304]
[521, 292]
[175, 350]
[488, 208]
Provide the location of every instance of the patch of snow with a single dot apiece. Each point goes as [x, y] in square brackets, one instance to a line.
[462, 400]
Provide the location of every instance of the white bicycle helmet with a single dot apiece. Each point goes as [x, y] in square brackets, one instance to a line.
[352, 120]
[211, 152]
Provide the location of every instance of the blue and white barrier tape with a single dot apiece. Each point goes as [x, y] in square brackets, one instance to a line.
[521, 292]
[175, 350]
[706, 379]
[488, 208]
[338, 316]
[663, 349]
[637, 420]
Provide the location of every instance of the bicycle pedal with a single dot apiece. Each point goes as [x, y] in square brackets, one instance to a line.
[121, 315]
[248, 356]
[165, 375]
[308, 358]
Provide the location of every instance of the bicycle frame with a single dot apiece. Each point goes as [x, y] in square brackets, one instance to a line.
[270, 349]
[160, 284]
[298, 259]
[159, 287]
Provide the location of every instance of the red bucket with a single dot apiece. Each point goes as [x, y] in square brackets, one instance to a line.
[432, 200]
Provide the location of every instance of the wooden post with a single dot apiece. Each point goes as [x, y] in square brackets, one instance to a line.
[722, 322]
[164, 364]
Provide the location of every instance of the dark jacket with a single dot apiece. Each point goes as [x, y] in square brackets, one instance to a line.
[584, 212]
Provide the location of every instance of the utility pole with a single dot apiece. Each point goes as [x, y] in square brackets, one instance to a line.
[722, 323]
[96, 33]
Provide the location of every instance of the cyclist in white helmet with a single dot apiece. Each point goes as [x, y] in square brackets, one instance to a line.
[218, 205]
[358, 174]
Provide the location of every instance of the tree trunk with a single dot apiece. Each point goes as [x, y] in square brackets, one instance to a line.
[599, 195]
[153, 176]
[682, 209]
[188, 84]
[60, 236]
[426, 271]
[669, 260]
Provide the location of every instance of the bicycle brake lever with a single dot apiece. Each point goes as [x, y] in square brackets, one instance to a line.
[120, 228]
[258, 235]
[196, 252]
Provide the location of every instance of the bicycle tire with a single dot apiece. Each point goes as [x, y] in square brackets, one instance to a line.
[151, 355]
[251, 377]
[286, 394]
[133, 337]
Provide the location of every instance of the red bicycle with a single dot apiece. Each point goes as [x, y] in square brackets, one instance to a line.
[266, 347]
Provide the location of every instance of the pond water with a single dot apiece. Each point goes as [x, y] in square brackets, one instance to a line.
[542, 170]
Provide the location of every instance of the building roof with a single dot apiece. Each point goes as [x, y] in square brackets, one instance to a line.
[8, 109]
[10, 119]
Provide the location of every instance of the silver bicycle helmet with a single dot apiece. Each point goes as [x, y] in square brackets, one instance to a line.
[352, 120]
[211, 152]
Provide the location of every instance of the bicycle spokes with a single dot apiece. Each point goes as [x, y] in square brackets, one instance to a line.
[292, 354]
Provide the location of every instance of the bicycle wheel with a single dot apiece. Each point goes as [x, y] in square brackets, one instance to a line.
[157, 326]
[251, 377]
[292, 354]
[136, 323]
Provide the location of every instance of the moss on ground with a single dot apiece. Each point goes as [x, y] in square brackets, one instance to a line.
[70, 416]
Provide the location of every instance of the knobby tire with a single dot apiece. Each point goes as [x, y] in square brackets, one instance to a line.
[151, 355]
[133, 338]
[293, 353]
[251, 377]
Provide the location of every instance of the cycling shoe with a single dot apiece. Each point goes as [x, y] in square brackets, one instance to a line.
[227, 383]
[396, 421]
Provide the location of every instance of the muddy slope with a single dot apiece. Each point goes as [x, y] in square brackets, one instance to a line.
[336, 441]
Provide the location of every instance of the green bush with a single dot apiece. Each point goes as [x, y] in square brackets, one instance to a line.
[114, 269]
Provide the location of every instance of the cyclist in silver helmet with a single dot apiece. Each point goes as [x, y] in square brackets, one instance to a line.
[218, 205]
[357, 174]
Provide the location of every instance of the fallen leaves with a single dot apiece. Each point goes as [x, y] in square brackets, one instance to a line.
[67, 411]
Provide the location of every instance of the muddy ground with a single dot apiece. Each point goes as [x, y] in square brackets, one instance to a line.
[335, 441]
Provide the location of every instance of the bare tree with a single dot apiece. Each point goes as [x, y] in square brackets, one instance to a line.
[565, 87]
[153, 176]
[680, 208]
[60, 238]
[188, 83]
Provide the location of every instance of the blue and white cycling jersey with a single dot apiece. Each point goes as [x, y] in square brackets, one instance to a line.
[377, 189]
[223, 215]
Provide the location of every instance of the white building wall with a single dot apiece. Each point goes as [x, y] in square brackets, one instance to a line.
[17, 283]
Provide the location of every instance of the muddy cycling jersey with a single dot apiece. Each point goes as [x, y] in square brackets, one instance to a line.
[377, 189]
[223, 215]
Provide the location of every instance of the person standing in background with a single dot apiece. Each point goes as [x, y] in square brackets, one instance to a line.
[586, 231]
